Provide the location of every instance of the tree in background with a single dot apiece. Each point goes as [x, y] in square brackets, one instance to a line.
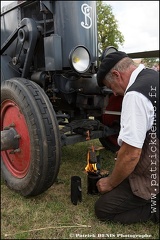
[108, 33]
[151, 62]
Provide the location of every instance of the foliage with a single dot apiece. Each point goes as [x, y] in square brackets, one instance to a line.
[150, 62]
[108, 33]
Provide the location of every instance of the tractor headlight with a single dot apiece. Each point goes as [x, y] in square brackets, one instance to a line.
[107, 51]
[80, 59]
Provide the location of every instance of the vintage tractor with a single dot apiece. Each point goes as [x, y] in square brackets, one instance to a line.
[49, 92]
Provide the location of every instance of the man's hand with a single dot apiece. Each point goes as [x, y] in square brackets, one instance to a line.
[127, 159]
[104, 185]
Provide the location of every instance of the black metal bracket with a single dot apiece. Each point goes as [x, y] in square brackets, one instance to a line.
[76, 131]
[32, 37]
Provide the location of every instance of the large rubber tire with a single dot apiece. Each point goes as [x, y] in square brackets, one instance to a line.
[35, 168]
[113, 121]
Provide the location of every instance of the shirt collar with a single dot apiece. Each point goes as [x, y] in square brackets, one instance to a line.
[134, 75]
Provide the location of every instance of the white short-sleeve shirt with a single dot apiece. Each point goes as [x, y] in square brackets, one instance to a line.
[137, 115]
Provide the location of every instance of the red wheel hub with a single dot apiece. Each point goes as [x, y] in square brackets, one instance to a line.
[17, 163]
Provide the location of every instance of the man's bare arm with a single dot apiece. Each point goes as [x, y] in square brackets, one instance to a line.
[127, 159]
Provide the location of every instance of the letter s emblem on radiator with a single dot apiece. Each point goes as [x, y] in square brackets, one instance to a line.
[86, 10]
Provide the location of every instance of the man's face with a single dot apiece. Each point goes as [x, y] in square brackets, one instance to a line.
[115, 87]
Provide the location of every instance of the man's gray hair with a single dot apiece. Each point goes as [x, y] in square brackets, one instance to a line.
[121, 66]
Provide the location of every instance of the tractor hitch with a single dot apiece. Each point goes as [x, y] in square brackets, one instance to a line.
[9, 139]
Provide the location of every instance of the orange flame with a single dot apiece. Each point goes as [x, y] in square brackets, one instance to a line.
[91, 167]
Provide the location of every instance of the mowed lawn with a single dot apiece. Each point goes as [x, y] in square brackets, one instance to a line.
[51, 215]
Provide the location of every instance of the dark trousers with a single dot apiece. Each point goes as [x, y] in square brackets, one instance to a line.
[121, 205]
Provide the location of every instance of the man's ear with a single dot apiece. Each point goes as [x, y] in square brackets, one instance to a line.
[116, 75]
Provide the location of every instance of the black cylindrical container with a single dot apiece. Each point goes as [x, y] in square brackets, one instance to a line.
[76, 191]
[91, 183]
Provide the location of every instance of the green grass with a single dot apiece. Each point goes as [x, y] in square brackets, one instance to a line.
[51, 215]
